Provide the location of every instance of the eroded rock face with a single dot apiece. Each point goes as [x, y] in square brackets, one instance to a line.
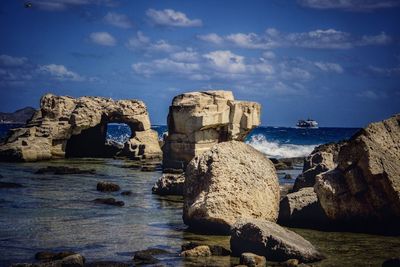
[199, 120]
[76, 127]
[365, 186]
[229, 181]
[272, 241]
[169, 184]
[323, 158]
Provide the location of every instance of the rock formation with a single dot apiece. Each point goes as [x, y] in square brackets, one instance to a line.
[199, 120]
[268, 239]
[229, 181]
[365, 186]
[323, 158]
[169, 184]
[76, 127]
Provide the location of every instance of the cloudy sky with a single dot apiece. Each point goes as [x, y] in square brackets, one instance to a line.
[337, 61]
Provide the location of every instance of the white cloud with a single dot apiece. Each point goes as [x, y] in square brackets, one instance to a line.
[350, 5]
[170, 17]
[250, 40]
[186, 56]
[61, 5]
[118, 20]
[142, 42]
[7, 60]
[226, 61]
[211, 38]
[380, 39]
[388, 72]
[164, 66]
[102, 38]
[60, 72]
[329, 67]
[269, 55]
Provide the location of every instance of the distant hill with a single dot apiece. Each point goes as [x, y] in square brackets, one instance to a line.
[19, 116]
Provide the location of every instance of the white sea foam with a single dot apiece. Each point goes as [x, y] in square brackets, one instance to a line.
[276, 150]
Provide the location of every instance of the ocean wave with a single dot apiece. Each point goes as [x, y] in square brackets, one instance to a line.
[276, 150]
[121, 138]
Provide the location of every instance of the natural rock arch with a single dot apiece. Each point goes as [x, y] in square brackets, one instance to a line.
[76, 127]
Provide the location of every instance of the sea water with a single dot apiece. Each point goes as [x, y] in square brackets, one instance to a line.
[57, 212]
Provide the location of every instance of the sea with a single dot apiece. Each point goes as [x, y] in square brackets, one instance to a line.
[57, 212]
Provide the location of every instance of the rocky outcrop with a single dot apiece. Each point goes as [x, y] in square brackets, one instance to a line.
[169, 184]
[76, 127]
[301, 209]
[365, 185]
[229, 181]
[323, 158]
[199, 120]
[272, 241]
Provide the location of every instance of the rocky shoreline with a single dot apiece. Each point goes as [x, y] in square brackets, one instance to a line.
[228, 187]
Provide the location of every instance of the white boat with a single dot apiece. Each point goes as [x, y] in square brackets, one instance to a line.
[309, 123]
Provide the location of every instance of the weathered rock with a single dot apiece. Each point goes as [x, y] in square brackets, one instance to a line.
[321, 159]
[107, 187]
[268, 239]
[6, 185]
[169, 184]
[109, 201]
[232, 180]
[252, 260]
[216, 250]
[76, 127]
[199, 120]
[75, 260]
[62, 170]
[364, 188]
[199, 251]
[301, 209]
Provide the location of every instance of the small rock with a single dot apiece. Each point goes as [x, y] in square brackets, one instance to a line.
[109, 201]
[290, 263]
[392, 262]
[107, 187]
[216, 250]
[61, 170]
[252, 260]
[287, 176]
[199, 251]
[10, 185]
[146, 256]
[75, 260]
[126, 193]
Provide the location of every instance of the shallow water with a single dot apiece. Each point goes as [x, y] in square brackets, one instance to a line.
[56, 212]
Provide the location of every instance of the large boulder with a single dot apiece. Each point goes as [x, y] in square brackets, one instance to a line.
[76, 127]
[229, 181]
[268, 239]
[323, 158]
[365, 186]
[199, 120]
[301, 209]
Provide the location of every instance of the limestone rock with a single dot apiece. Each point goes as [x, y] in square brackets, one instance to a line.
[365, 186]
[169, 184]
[252, 260]
[76, 127]
[199, 120]
[216, 250]
[268, 239]
[323, 158]
[301, 208]
[229, 181]
[199, 251]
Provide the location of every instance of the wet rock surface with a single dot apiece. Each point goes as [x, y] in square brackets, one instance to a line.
[107, 187]
[109, 201]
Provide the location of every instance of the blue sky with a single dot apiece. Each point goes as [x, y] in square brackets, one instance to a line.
[335, 61]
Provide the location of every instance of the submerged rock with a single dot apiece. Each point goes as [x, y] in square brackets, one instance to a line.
[6, 185]
[252, 260]
[321, 159]
[169, 184]
[107, 187]
[76, 127]
[199, 120]
[58, 260]
[272, 241]
[62, 170]
[127, 193]
[301, 209]
[51, 256]
[364, 188]
[147, 256]
[109, 201]
[232, 180]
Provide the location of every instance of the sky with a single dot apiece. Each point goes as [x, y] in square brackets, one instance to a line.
[336, 61]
